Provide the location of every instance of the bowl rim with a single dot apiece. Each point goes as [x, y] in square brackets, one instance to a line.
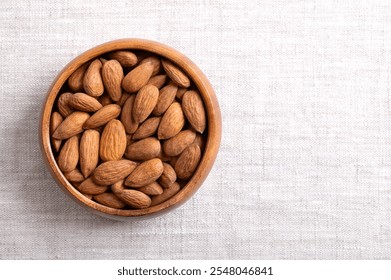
[213, 120]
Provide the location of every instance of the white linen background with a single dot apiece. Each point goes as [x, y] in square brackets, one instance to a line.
[304, 169]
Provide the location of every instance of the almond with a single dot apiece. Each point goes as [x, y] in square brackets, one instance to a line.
[124, 97]
[157, 81]
[152, 189]
[144, 149]
[176, 75]
[72, 125]
[166, 97]
[137, 78]
[172, 122]
[69, 155]
[109, 200]
[167, 194]
[88, 186]
[144, 102]
[147, 128]
[168, 176]
[188, 161]
[74, 176]
[177, 144]
[194, 110]
[112, 75]
[55, 121]
[125, 58]
[157, 66]
[200, 141]
[113, 141]
[89, 151]
[75, 80]
[180, 92]
[83, 102]
[127, 117]
[145, 173]
[63, 104]
[163, 157]
[105, 99]
[134, 199]
[92, 81]
[103, 116]
[110, 172]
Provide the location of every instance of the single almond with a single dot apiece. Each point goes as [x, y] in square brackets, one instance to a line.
[110, 172]
[105, 99]
[63, 104]
[89, 151]
[127, 116]
[113, 141]
[74, 176]
[177, 144]
[157, 66]
[145, 102]
[92, 80]
[112, 75]
[55, 120]
[137, 78]
[157, 81]
[172, 122]
[176, 75]
[166, 97]
[88, 186]
[125, 58]
[109, 200]
[147, 128]
[144, 149]
[194, 110]
[151, 189]
[168, 176]
[180, 92]
[166, 195]
[83, 102]
[72, 125]
[75, 80]
[134, 199]
[188, 161]
[103, 116]
[145, 173]
[69, 155]
[118, 186]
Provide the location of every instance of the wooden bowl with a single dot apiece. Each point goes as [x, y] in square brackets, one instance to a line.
[213, 127]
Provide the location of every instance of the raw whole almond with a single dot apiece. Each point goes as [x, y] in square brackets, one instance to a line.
[111, 172]
[134, 199]
[166, 97]
[137, 78]
[55, 121]
[151, 189]
[172, 122]
[168, 176]
[127, 117]
[89, 151]
[74, 176]
[188, 161]
[157, 81]
[144, 149]
[177, 144]
[144, 102]
[145, 173]
[72, 125]
[180, 92]
[113, 141]
[125, 58]
[92, 80]
[63, 104]
[157, 66]
[109, 200]
[103, 116]
[112, 75]
[88, 186]
[167, 194]
[176, 75]
[194, 110]
[147, 128]
[84, 102]
[75, 81]
[69, 155]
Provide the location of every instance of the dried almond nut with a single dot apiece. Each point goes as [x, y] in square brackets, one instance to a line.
[168, 176]
[88, 186]
[69, 155]
[176, 75]
[55, 121]
[145, 173]
[92, 80]
[157, 66]
[72, 125]
[134, 199]
[151, 189]
[194, 110]
[125, 58]
[103, 116]
[138, 77]
[109, 200]
[89, 151]
[144, 149]
[63, 104]
[75, 80]
[113, 141]
[74, 176]
[157, 81]
[84, 102]
[112, 75]
[172, 122]
[144, 102]
[111, 172]
[177, 144]
[147, 128]
[188, 161]
[127, 117]
[166, 97]
[167, 194]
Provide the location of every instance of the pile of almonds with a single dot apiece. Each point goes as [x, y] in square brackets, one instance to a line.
[127, 129]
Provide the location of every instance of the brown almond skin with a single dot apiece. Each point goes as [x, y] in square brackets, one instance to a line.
[103, 116]
[88, 186]
[177, 144]
[113, 141]
[176, 75]
[163, 157]
[92, 80]
[147, 128]
[109, 200]
[144, 149]
[145, 173]
[157, 81]
[72, 125]
[125, 58]
[172, 122]
[111, 172]
[105, 99]
[180, 92]
[69, 155]
[89, 151]
[188, 161]
[124, 97]
[63, 104]
[83, 102]
[144, 103]
[137, 78]
[168, 176]
[75, 80]
[200, 141]
[167, 194]
[134, 199]
[157, 66]
[151, 189]
[112, 75]
[55, 120]
[127, 116]
[74, 176]
[194, 110]
[166, 97]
